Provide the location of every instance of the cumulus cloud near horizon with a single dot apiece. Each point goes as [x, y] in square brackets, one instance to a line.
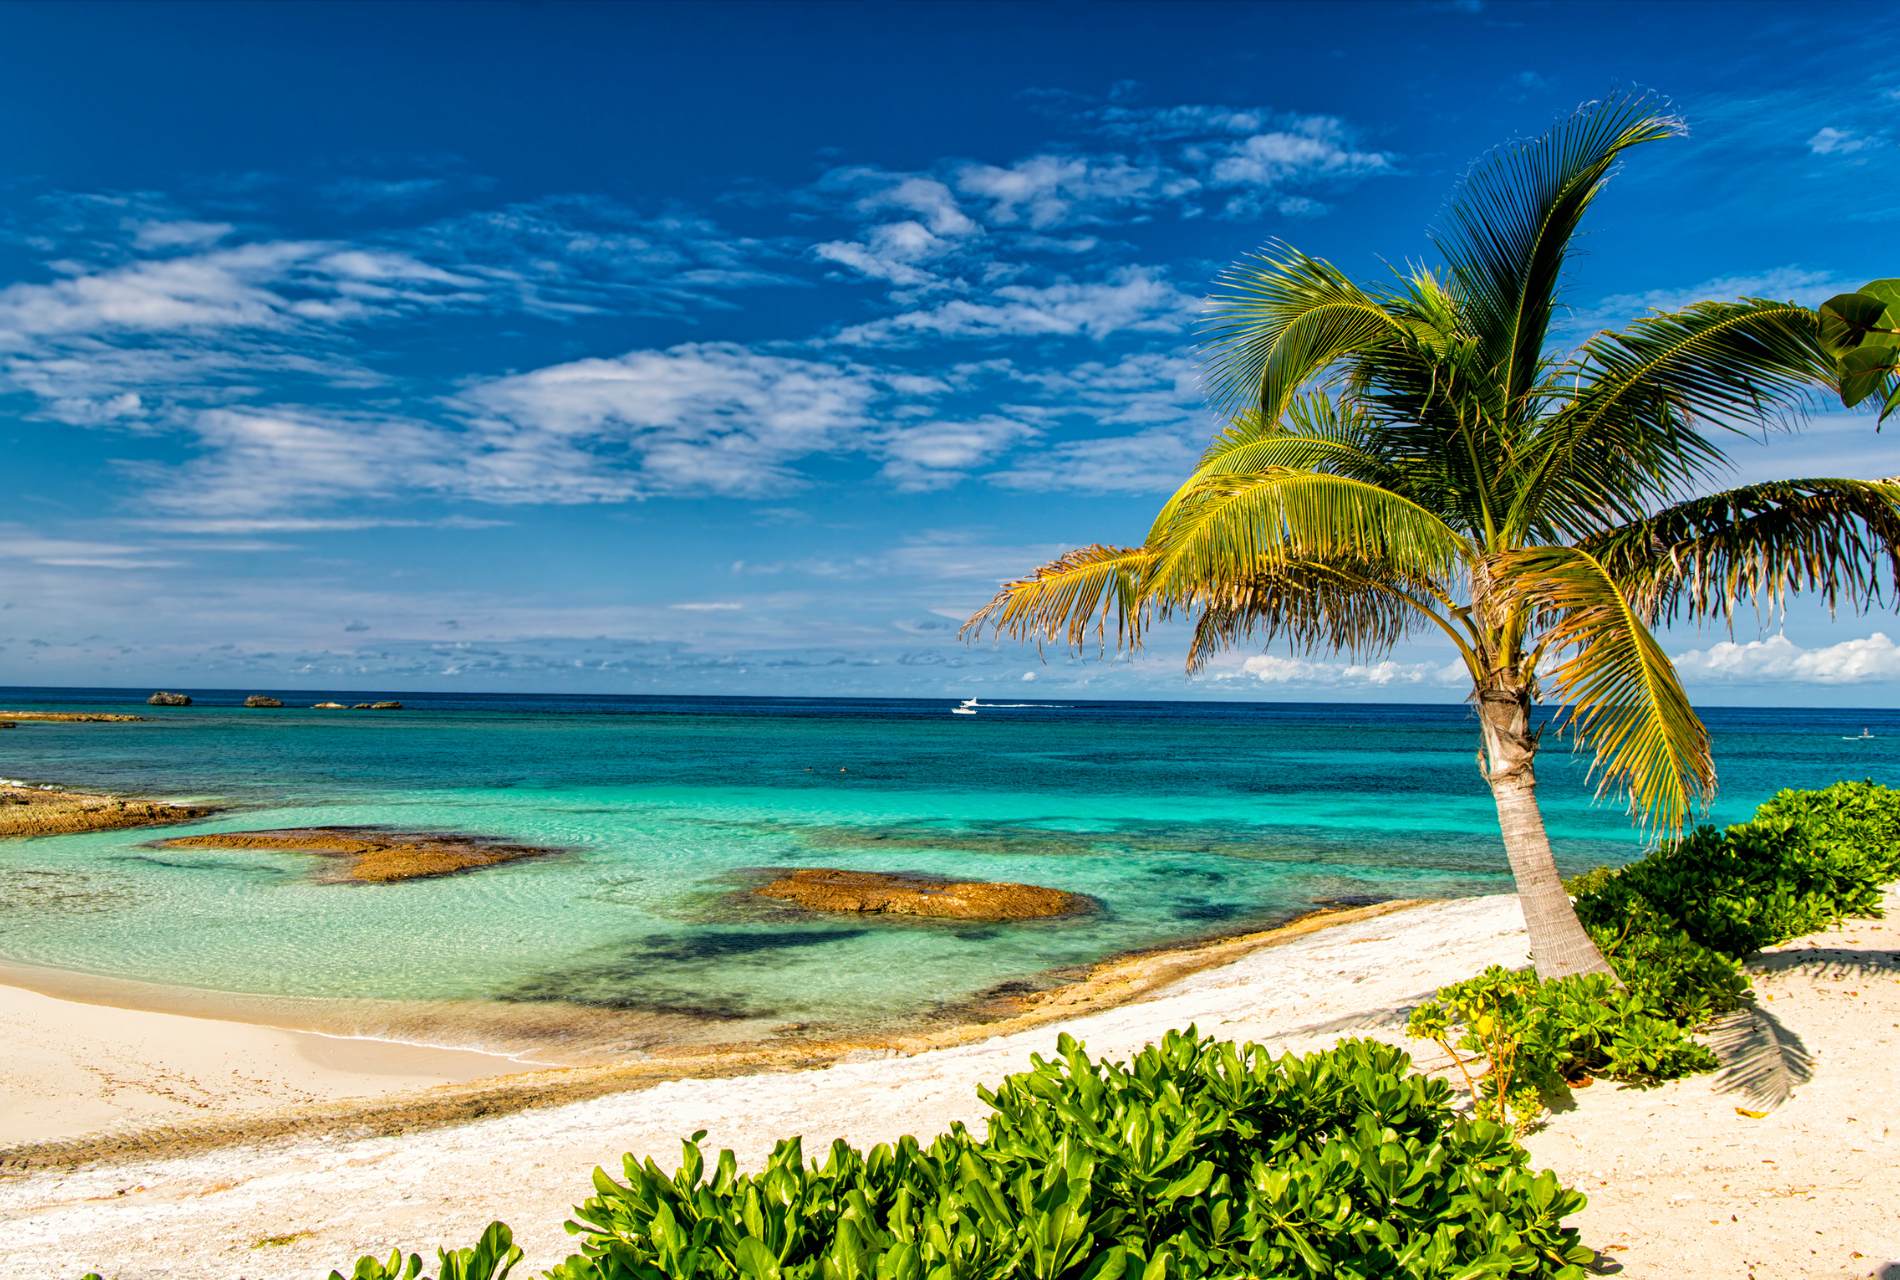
[1777, 658]
[1269, 669]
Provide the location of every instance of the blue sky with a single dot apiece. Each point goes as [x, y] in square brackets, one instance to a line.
[743, 349]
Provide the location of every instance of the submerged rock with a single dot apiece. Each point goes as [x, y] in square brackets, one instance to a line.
[903, 893]
[263, 700]
[165, 699]
[374, 855]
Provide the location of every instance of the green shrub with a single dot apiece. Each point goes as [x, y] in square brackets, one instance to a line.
[1534, 1037]
[1675, 926]
[490, 1258]
[1195, 1159]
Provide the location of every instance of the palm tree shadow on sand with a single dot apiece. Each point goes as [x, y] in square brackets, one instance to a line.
[1761, 1058]
[1764, 1060]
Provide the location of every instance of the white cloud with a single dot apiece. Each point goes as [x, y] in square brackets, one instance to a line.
[1301, 671]
[1152, 461]
[1777, 658]
[930, 199]
[1312, 148]
[892, 251]
[181, 234]
[1029, 677]
[258, 462]
[696, 418]
[1132, 299]
[1801, 285]
[271, 285]
[708, 606]
[1045, 190]
[1830, 141]
[17, 542]
[937, 454]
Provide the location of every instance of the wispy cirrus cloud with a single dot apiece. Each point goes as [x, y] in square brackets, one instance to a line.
[1129, 300]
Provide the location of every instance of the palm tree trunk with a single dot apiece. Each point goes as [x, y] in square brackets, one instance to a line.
[1559, 945]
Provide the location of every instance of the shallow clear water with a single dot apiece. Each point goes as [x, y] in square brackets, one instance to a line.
[1180, 818]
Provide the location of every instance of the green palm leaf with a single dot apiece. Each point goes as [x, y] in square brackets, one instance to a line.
[1509, 230]
[1231, 526]
[1633, 432]
[1353, 607]
[1838, 539]
[1071, 597]
[1619, 690]
[1279, 320]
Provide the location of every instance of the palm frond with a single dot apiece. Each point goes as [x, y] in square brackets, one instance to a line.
[1071, 597]
[1838, 539]
[1316, 434]
[1508, 231]
[1633, 430]
[1620, 692]
[1278, 320]
[1354, 608]
[1231, 526]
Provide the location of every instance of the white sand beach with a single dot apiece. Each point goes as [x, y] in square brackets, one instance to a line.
[1672, 1173]
[75, 1067]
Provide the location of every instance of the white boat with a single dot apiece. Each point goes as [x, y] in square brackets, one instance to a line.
[1863, 736]
[965, 708]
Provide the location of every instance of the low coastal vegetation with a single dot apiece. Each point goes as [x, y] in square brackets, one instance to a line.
[1197, 1158]
[1676, 927]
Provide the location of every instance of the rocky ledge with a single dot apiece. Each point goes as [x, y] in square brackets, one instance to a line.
[36, 811]
[165, 699]
[73, 717]
[373, 855]
[263, 700]
[903, 893]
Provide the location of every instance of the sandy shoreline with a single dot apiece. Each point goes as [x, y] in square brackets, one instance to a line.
[75, 1067]
[1673, 1173]
[223, 1070]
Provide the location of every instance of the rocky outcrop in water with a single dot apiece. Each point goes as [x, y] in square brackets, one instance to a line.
[75, 717]
[374, 855]
[263, 700]
[34, 811]
[165, 699]
[902, 893]
[385, 706]
[328, 706]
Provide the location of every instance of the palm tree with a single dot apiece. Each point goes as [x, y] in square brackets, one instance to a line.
[1415, 457]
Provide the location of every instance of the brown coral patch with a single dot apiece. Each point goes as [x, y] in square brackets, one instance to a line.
[374, 855]
[76, 717]
[904, 893]
[32, 811]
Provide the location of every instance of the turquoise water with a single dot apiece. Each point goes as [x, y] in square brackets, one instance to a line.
[1180, 819]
